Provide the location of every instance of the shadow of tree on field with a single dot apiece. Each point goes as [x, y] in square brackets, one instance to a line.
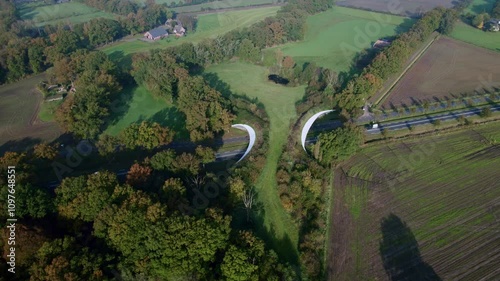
[19, 145]
[400, 253]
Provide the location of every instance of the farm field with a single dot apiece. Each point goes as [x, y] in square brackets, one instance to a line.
[210, 25]
[480, 6]
[404, 8]
[220, 5]
[448, 69]
[421, 209]
[73, 12]
[279, 102]
[334, 38]
[19, 105]
[470, 34]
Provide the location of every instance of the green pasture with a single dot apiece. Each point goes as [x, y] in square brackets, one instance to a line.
[333, 38]
[137, 104]
[72, 12]
[279, 102]
[480, 6]
[470, 34]
[209, 26]
[48, 110]
[216, 5]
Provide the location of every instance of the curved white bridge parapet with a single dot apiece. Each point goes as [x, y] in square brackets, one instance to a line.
[251, 134]
[308, 125]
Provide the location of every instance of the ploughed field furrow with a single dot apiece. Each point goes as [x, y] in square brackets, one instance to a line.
[476, 261]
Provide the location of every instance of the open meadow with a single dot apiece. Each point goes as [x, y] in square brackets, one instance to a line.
[419, 209]
[216, 5]
[137, 104]
[472, 35]
[334, 38]
[209, 26]
[72, 12]
[279, 102]
[404, 8]
[19, 106]
[447, 69]
[479, 6]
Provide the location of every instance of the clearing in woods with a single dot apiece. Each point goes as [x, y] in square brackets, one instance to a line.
[279, 102]
[448, 69]
[335, 37]
[19, 106]
[419, 209]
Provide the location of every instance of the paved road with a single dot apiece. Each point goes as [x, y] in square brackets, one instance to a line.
[399, 125]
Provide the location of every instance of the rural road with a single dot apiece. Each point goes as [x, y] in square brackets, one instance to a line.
[398, 125]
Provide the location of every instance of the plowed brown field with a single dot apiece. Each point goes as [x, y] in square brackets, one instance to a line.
[448, 69]
[424, 209]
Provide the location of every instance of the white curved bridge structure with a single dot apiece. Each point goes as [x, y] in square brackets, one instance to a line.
[251, 134]
[308, 125]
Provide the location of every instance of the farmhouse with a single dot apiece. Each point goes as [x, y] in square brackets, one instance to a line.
[381, 43]
[179, 30]
[156, 34]
[493, 25]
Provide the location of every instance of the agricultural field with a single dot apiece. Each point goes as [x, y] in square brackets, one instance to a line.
[72, 12]
[419, 209]
[404, 8]
[334, 38]
[216, 5]
[279, 102]
[446, 70]
[472, 35]
[19, 106]
[209, 26]
[480, 6]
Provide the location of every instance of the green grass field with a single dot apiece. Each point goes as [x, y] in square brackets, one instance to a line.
[441, 186]
[48, 110]
[279, 102]
[209, 26]
[333, 38]
[219, 5]
[470, 34]
[72, 12]
[480, 6]
[138, 104]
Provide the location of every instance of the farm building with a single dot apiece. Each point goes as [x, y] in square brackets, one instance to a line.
[493, 25]
[179, 30]
[381, 43]
[156, 34]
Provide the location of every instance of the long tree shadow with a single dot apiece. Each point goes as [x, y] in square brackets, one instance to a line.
[19, 145]
[400, 253]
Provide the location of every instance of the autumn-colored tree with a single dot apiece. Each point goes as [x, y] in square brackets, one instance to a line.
[146, 135]
[138, 174]
[66, 259]
[206, 154]
[45, 151]
[84, 197]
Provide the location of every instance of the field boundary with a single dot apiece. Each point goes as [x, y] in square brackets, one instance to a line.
[417, 56]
